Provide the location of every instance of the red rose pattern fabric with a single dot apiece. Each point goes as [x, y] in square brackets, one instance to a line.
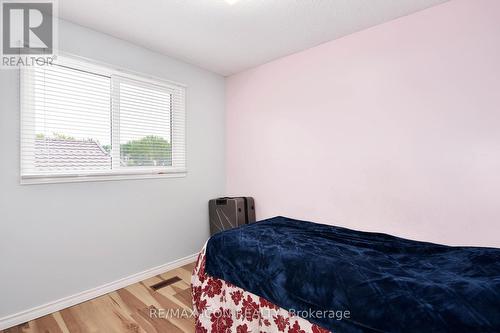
[221, 307]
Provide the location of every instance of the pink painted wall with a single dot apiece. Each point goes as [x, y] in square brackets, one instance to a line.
[393, 129]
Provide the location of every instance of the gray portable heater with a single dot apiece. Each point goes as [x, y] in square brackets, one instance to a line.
[230, 212]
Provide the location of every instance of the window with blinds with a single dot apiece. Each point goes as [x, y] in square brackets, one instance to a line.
[86, 122]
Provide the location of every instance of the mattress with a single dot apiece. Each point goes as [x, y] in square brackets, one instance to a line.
[222, 307]
[343, 280]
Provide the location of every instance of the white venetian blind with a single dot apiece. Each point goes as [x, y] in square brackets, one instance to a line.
[66, 124]
[151, 125]
[83, 120]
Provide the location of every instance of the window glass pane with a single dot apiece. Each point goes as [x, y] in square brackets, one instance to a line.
[145, 126]
[68, 128]
[83, 119]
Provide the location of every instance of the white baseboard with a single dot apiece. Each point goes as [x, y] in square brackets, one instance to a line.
[54, 306]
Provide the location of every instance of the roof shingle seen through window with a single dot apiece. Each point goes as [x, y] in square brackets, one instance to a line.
[61, 154]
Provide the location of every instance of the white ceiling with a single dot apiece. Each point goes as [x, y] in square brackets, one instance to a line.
[228, 38]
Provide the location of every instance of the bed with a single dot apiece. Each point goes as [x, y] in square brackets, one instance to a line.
[286, 275]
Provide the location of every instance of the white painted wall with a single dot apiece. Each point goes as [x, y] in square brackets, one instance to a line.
[60, 239]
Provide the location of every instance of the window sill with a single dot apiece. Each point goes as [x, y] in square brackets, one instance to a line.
[97, 178]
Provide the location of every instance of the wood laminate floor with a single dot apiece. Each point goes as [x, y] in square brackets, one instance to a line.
[126, 310]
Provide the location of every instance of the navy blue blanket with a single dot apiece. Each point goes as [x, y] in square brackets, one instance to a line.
[388, 284]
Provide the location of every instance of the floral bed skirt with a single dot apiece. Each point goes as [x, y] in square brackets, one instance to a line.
[221, 307]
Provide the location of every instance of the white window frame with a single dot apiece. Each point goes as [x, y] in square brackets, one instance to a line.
[116, 75]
